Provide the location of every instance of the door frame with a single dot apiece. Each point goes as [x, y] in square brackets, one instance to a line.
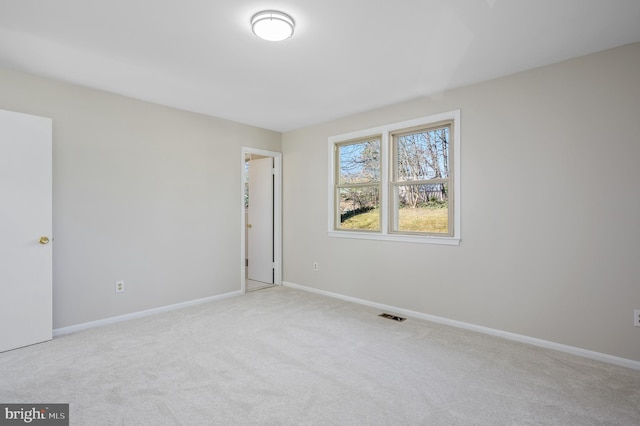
[277, 214]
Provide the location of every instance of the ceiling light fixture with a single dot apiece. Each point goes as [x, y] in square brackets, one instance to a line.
[272, 25]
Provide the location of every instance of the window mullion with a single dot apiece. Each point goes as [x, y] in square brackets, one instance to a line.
[420, 181]
[358, 185]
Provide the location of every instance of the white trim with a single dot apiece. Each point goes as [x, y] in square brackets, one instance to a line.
[384, 132]
[277, 214]
[584, 353]
[449, 241]
[141, 314]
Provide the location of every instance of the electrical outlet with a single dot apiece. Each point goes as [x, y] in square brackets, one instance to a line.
[636, 317]
[315, 266]
[119, 286]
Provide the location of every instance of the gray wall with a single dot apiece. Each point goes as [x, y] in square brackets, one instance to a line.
[550, 209]
[550, 205]
[142, 193]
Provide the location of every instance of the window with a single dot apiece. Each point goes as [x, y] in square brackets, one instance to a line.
[358, 185]
[420, 184]
[398, 182]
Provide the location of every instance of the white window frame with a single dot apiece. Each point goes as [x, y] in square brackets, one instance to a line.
[337, 186]
[385, 133]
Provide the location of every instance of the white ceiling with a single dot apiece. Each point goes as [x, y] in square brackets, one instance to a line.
[346, 56]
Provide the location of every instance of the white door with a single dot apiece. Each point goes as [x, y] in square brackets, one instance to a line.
[260, 220]
[25, 230]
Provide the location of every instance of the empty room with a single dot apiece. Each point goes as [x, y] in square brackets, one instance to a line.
[320, 213]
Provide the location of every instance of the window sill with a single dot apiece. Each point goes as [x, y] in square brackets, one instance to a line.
[418, 239]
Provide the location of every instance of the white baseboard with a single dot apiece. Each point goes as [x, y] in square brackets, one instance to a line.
[141, 314]
[610, 359]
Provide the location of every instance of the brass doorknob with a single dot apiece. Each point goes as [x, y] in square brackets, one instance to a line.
[44, 240]
[249, 225]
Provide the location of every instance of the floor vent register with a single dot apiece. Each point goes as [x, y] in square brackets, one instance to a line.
[392, 317]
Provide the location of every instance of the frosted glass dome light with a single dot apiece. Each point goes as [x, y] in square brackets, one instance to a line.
[272, 25]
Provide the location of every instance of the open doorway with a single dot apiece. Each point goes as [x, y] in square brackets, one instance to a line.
[261, 219]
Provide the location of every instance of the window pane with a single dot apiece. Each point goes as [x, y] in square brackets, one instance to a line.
[423, 155]
[359, 162]
[360, 208]
[422, 208]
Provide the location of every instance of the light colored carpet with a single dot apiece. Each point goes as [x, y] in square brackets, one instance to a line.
[287, 357]
[256, 285]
